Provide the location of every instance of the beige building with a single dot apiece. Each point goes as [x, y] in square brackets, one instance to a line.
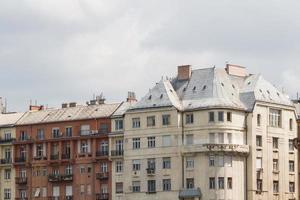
[7, 136]
[209, 134]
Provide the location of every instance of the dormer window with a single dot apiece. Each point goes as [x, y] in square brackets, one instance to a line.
[222, 84]
[194, 89]
[233, 86]
[150, 97]
[204, 87]
[161, 96]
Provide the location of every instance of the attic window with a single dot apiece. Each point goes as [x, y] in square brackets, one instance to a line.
[268, 91]
[233, 86]
[194, 89]
[184, 89]
[149, 98]
[222, 84]
[249, 83]
[278, 94]
[161, 96]
[204, 87]
[260, 90]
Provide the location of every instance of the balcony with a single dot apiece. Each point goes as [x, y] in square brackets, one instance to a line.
[69, 198]
[225, 148]
[21, 180]
[5, 161]
[102, 196]
[190, 193]
[60, 178]
[7, 140]
[102, 175]
[20, 160]
[117, 152]
[40, 158]
[21, 198]
[103, 130]
[66, 156]
[101, 153]
[150, 171]
[54, 157]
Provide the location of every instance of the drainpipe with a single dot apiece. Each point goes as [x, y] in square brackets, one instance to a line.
[246, 167]
[182, 142]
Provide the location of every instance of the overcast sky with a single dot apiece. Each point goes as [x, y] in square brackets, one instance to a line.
[67, 50]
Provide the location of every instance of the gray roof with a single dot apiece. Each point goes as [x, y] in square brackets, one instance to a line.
[120, 111]
[212, 87]
[9, 119]
[68, 114]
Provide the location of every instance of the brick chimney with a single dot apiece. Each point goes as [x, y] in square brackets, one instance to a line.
[184, 72]
[236, 70]
[131, 97]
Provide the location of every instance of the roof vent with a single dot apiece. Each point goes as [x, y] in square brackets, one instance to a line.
[64, 105]
[184, 72]
[204, 87]
[236, 70]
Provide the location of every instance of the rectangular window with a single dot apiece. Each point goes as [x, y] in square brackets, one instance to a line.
[189, 118]
[275, 118]
[190, 139]
[189, 183]
[7, 173]
[291, 145]
[259, 141]
[136, 186]
[55, 133]
[40, 134]
[119, 187]
[136, 123]
[151, 164]
[291, 187]
[136, 143]
[221, 116]
[220, 161]
[151, 121]
[259, 184]
[118, 124]
[136, 165]
[151, 186]
[291, 166]
[212, 183]
[84, 147]
[221, 182]
[88, 189]
[229, 183]
[275, 186]
[151, 142]
[82, 189]
[211, 161]
[166, 184]
[212, 138]
[190, 162]
[104, 167]
[211, 117]
[229, 138]
[85, 129]
[258, 119]
[119, 166]
[228, 161]
[55, 191]
[221, 138]
[166, 163]
[69, 131]
[229, 116]
[258, 163]
[291, 124]
[275, 143]
[166, 120]
[166, 141]
[7, 193]
[275, 164]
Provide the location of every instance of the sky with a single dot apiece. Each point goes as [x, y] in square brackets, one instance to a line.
[68, 50]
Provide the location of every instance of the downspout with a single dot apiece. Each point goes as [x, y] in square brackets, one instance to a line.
[182, 143]
[246, 167]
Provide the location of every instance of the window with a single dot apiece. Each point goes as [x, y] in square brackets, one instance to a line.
[104, 167]
[151, 142]
[7, 193]
[220, 161]
[7, 173]
[291, 187]
[166, 140]
[221, 182]
[151, 121]
[44, 192]
[23, 136]
[39, 150]
[40, 134]
[136, 186]
[221, 138]
[166, 163]
[258, 163]
[118, 124]
[258, 119]
[229, 138]
[7, 154]
[69, 131]
[228, 161]
[291, 145]
[84, 147]
[55, 191]
[136, 123]
[68, 170]
[275, 164]
[119, 166]
[275, 143]
[211, 117]
[229, 183]
[211, 160]
[229, 116]
[259, 184]
[166, 184]
[166, 120]
[291, 166]
[275, 186]
[151, 186]
[23, 194]
[221, 116]
[259, 141]
[136, 143]
[189, 183]
[104, 188]
[119, 187]
[189, 162]
[55, 133]
[211, 138]
[275, 118]
[291, 124]
[212, 183]
[88, 189]
[190, 139]
[189, 118]
[151, 163]
[82, 189]
[104, 147]
[136, 165]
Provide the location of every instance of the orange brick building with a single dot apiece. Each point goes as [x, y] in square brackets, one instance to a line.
[63, 153]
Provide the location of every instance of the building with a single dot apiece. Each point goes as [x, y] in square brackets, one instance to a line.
[7, 136]
[211, 134]
[297, 141]
[63, 153]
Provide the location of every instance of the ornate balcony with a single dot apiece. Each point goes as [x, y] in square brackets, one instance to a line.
[20, 160]
[54, 157]
[226, 148]
[102, 175]
[102, 196]
[60, 178]
[5, 161]
[6, 140]
[65, 156]
[101, 153]
[150, 171]
[117, 153]
[21, 180]
[40, 158]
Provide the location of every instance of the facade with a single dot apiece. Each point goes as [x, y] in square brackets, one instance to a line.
[7, 136]
[211, 134]
[63, 153]
[297, 141]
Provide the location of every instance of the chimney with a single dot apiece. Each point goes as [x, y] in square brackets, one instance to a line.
[184, 72]
[2, 107]
[100, 99]
[131, 97]
[36, 108]
[64, 105]
[72, 104]
[236, 70]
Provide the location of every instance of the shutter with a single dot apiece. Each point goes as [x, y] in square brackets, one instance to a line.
[69, 190]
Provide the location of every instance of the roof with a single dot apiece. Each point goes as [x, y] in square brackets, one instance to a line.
[120, 111]
[9, 119]
[68, 114]
[211, 88]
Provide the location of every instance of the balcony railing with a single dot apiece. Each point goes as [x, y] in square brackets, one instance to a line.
[5, 161]
[102, 175]
[59, 178]
[117, 152]
[102, 196]
[7, 140]
[21, 180]
[54, 157]
[25, 138]
[150, 171]
[102, 153]
[20, 160]
[65, 156]
[40, 158]
[21, 198]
